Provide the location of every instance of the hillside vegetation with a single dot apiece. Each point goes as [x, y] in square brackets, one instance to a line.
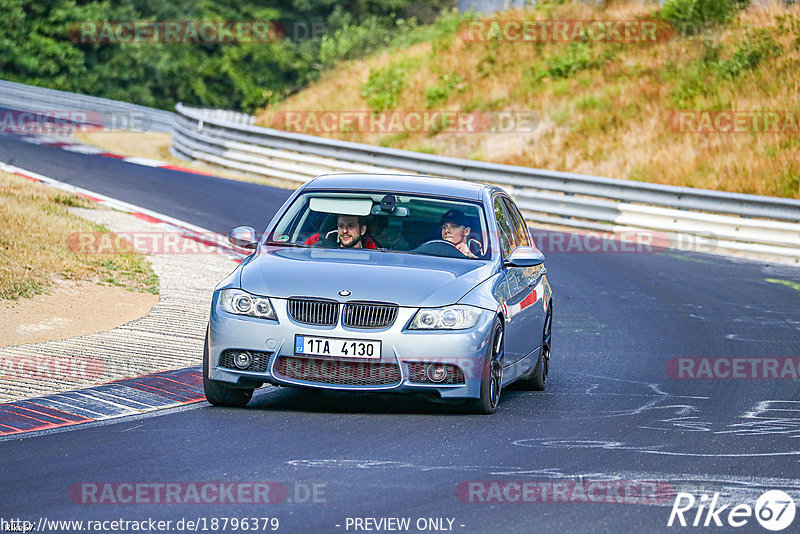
[51, 44]
[600, 108]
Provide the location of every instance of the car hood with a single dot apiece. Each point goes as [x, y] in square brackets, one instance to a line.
[404, 279]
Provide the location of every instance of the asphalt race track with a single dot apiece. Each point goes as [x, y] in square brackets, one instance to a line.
[611, 411]
[173, 193]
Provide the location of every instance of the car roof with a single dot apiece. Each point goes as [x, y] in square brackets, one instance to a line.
[399, 183]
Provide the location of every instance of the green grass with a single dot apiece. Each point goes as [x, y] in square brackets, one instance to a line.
[35, 245]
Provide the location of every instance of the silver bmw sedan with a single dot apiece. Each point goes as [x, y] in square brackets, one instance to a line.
[384, 283]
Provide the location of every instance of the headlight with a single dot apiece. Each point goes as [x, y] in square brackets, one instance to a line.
[456, 317]
[243, 303]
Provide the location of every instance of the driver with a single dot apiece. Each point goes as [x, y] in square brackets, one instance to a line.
[352, 232]
[455, 230]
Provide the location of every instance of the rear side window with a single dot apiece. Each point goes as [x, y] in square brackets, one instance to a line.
[518, 223]
[507, 241]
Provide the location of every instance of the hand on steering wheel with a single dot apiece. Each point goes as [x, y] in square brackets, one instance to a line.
[462, 248]
[478, 245]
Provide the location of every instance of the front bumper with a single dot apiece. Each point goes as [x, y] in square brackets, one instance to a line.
[464, 349]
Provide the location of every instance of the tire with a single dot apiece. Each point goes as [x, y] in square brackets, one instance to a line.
[538, 378]
[220, 394]
[492, 379]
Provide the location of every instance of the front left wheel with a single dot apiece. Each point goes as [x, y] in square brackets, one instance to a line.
[538, 378]
[219, 393]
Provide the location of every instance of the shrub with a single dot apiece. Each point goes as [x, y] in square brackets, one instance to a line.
[577, 58]
[440, 92]
[752, 49]
[383, 87]
[690, 17]
[697, 76]
[357, 40]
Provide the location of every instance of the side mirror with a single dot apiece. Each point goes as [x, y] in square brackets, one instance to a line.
[243, 236]
[525, 257]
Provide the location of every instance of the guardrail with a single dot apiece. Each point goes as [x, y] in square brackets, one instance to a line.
[30, 98]
[761, 226]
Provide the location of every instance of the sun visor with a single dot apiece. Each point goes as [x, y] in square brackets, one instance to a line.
[342, 206]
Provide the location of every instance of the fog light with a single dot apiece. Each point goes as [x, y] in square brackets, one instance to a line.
[436, 372]
[243, 360]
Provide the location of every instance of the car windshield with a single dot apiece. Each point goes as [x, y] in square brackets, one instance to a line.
[388, 222]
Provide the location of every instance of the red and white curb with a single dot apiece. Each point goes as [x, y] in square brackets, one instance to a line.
[187, 230]
[128, 396]
[131, 396]
[70, 144]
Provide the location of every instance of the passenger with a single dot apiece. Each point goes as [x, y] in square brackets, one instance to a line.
[352, 233]
[455, 229]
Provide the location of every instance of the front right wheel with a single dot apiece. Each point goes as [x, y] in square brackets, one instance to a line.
[492, 374]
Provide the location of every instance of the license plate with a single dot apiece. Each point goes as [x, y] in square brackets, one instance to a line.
[336, 347]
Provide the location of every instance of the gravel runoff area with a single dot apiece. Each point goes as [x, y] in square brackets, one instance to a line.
[170, 336]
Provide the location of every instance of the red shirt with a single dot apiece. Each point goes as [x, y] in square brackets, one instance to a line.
[366, 241]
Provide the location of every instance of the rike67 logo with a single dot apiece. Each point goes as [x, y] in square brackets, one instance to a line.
[774, 510]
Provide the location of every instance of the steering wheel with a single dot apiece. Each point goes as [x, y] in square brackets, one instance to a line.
[439, 247]
[328, 240]
[477, 246]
